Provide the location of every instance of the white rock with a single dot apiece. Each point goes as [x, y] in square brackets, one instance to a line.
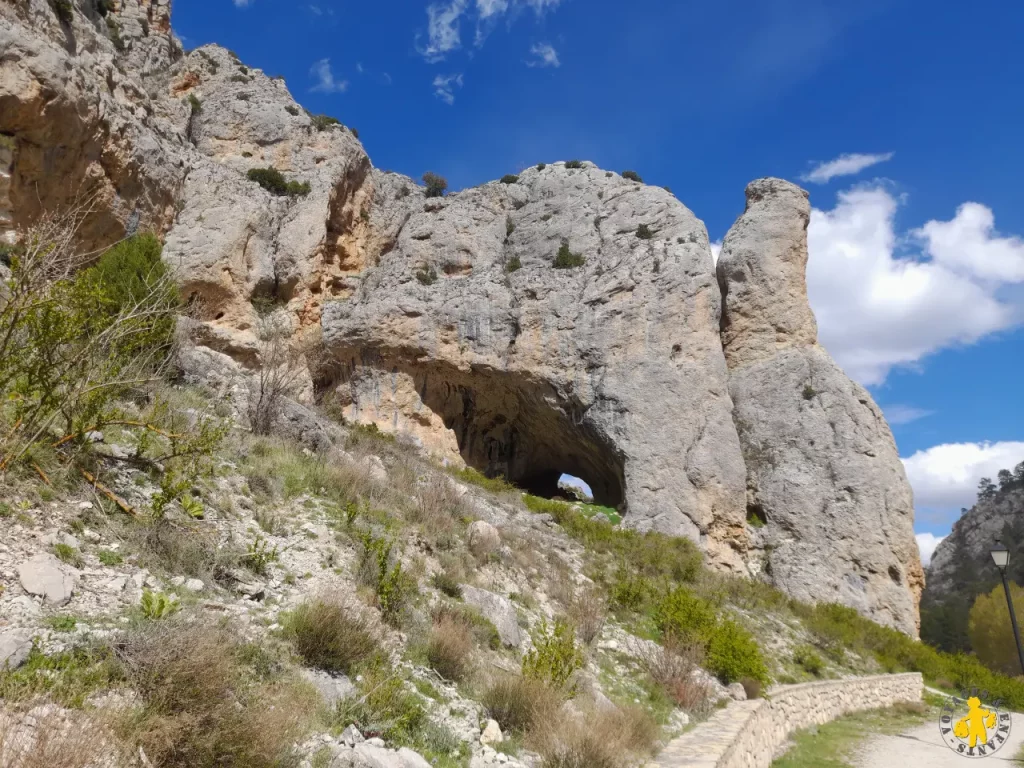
[194, 585]
[15, 645]
[499, 610]
[483, 538]
[44, 575]
[333, 689]
[491, 734]
[737, 692]
[91, 536]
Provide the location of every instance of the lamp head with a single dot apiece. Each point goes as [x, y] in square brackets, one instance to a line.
[1000, 556]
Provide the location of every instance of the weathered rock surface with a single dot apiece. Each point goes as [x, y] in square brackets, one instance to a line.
[499, 611]
[15, 646]
[45, 576]
[602, 371]
[483, 538]
[823, 472]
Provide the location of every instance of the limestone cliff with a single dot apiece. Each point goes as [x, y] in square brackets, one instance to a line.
[823, 474]
[570, 321]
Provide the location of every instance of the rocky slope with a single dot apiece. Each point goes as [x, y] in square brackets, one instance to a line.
[445, 319]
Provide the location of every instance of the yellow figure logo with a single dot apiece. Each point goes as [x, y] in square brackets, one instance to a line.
[974, 727]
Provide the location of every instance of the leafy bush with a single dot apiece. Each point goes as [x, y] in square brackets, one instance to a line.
[449, 648]
[554, 656]
[989, 629]
[447, 585]
[574, 164]
[386, 707]
[109, 557]
[632, 176]
[805, 657]
[685, 616]
[68, 678]
[157, 605]
[426, 275]
[733, 654]
[64, 9]
[541, 166]
[323, 122]
[566, 259]
[354, 132]
[68, 554]
[292, 110]
[260, 555]
[384, 573]
[644, 232]
[239, 79]
[436, 185]
[331, 635]
[514, 265]
[195, 104]
[509, 178]
[274, 182]
[510, 227]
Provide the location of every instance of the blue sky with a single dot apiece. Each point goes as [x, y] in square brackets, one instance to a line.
[917, 262]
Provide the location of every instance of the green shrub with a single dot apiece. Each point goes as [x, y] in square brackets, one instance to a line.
[383, 572]
[195, 104]
[483, 629]
[509, 178]
[436, 185]
[353, 131]
[447, 585]
[274, 182]
[554, 656]
[809, 392]
[574, 164]
[566, 259]
[510, 227]
[644, 232]
[514, 265]
[62, 623]
[685, 616]
[541, 166]
[64, 9]
[239, 79]
[109, 557]
[157, 605]
[733, 654]
[805, 657]
[68, 678]
[519, 703]
[260, 555]
[426, 275]
[386, 707]
[292, 110]
[323, 122]
[330, 635]
[632, 176]
[68, 554]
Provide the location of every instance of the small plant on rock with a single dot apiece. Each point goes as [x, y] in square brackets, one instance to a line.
[574, 164]
[331, 635]
[632, 176]
[449, 648]
[566, 259]
[426, 275]
[436, 185]
[64, 10]
[808, 659]
[260, 555]
[68, 554]
[514, 265]
[554, 656]
[541, 166]
[509, 178]
[323, 122]
[274, 182]
[644, 232]
[157, 605]
[447, 585]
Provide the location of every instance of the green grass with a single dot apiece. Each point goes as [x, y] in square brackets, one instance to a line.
[68, 678]
[835, 744]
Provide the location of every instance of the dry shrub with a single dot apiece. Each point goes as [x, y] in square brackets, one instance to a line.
[588, 612]
[192, 549]
[439, 511]
[521, 703]
[282, 365]
[450, 648]
[200, 705]
[607, 738]
[48, 737]
[672, 666]
[751, 687]
[332, 634]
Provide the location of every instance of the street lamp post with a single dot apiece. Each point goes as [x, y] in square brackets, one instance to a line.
[1001, 557]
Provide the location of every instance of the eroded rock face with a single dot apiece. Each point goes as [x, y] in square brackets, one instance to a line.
[823, 473]
[467, 336]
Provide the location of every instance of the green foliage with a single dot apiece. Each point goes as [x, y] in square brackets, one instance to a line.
[483, 629]
[64, 9]
[260, 555]
[67, 678]
[323, 122]
[62, 623]
[541, 166]
[68, 554]
[292, 110]
[109, 558]
[685, 616]
[644, 232]
[157, 605]
[518, 703]
[566, 259]
[809, 392]
[514, 265]
[195, 104]
[990, 632]
[510, 227]
[733, 654]
[382, 571]
[554, 656]
[274, 182]
[509, 178]
[447, 585]
[353, 131]
[632, 176]
[426, 275]
[386, 707]
[436, 185]
[330, 635]
[805, 657]
[574, 164]
[239, 79]
[496, 484]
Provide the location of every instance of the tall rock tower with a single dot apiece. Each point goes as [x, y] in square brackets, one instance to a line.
[823, 473]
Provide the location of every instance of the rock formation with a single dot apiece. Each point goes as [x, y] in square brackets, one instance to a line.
[823, 474]
[452, 319]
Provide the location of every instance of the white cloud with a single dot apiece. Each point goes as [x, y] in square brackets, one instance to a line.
[326, 83]
[716, 250]
[969, 243]
[946, 476]
[904, 414]
[541, 6]
[926, 544]
[544, 55]
[443, 33]
[444, 87]
[243, 3]
[877, 310]
[488, 8]
[844, 165]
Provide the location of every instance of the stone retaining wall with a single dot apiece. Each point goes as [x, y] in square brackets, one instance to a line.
[746, 734]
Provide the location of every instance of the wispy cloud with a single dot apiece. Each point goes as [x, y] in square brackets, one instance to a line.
[326, 82]
[844, 165]
[904, 414]
[443, 33]
[544, 55]
[444, 22]
[243, 3]
[444, 87]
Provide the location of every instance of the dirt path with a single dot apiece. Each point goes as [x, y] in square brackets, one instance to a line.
[922, 747]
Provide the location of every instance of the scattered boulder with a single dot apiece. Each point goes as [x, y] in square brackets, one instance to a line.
[484, 538]
[333, 689]
[737, 692]
[45, 576]
[492, 733]
[15, 645]
[499, 610]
